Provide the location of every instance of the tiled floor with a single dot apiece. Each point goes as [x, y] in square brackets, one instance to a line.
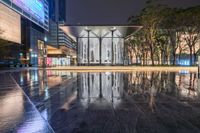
[17, 113]
[100, 102]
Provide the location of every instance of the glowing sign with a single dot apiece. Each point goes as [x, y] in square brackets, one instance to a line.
[35, 8]
[8, 19]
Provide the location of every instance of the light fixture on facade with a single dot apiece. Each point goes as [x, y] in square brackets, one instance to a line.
[87, 29]
[113, 28]
[45, 39]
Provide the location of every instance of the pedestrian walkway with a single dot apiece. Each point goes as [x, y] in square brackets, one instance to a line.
[48, 101]
[17, 113]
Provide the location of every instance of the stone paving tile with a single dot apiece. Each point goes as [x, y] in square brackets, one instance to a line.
[17, 114]
[69, 108]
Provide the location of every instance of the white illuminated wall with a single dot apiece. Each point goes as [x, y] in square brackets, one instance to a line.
[10, 24]
[105, 45]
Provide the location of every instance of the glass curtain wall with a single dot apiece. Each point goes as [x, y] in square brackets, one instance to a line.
[106, 49]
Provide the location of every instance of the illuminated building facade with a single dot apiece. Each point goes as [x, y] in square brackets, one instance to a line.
[105, 48]
[10, 18]
[34, 10]
[36, 28]
[29, 20]
[101, 45]
[58, 40]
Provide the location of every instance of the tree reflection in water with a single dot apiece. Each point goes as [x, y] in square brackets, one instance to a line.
[148, 86]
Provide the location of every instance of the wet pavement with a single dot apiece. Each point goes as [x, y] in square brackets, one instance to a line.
[17, 113]
[70, 102]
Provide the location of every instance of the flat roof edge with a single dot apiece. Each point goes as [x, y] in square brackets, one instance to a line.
[124, 25]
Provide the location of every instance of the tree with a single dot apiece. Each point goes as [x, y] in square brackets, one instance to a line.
[150, 19]
[135, 47]
[191, 29]
[165, 29]
[162, 46]
[171, 23]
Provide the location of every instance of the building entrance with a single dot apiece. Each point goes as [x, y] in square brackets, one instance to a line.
[100, 47]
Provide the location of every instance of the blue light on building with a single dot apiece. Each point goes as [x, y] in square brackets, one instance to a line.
[184, 62]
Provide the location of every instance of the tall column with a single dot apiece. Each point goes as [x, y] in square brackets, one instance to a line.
[77, 52]
[100, 41]
[112, 49]
[112, 60]
[88, 47]
[124, 51]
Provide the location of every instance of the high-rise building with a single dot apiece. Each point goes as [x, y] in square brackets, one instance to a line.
[63, 45]
[31, 19]
[62, 11]
[36, 32]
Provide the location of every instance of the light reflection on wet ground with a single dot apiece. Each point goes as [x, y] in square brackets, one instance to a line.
[17, 113]
[142, 102]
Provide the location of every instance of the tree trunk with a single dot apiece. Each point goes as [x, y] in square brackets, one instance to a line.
[168, 60]
[174, 57]
[144, 56]
[194, 54]
[152, 58]
[140, 59]
[179, 56]
[131, 58]
[136, 59]
[191, 62]
[161, 57]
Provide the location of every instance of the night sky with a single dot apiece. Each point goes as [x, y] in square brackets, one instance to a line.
[112, 11]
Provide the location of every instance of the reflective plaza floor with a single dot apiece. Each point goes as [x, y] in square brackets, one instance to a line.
[48, 101]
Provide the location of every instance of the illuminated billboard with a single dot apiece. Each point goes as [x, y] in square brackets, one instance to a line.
[33, 7]
[35, 10]
[8, 19]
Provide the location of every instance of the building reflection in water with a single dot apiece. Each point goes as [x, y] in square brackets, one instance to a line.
[41, 81]
[44, 87]
[141, 86]
[113, 88]
[21, 119]
[55, 92]
[96, 86]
